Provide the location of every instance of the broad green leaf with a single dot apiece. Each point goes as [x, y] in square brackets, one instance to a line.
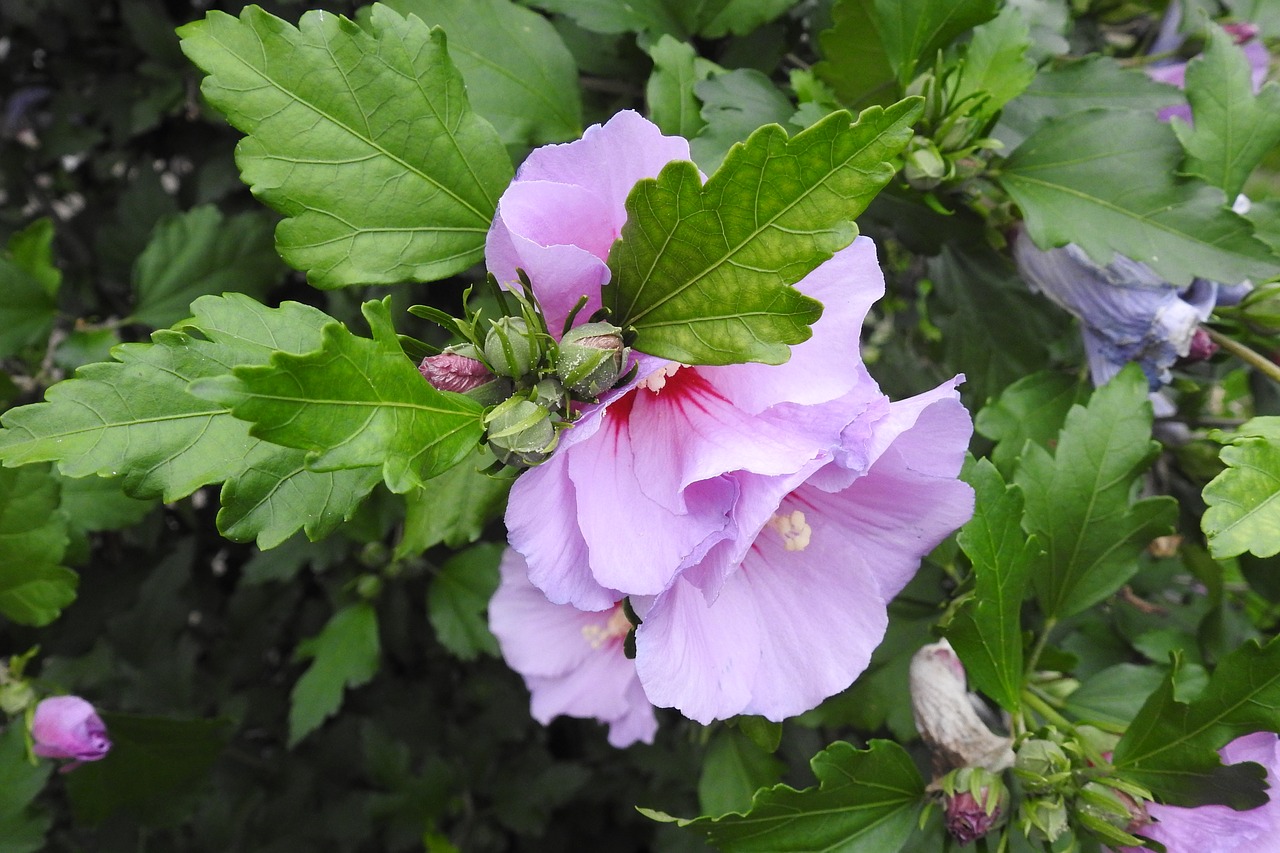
[1031, 409]
[1171, 746]
[345, 654]
[520, 76]
[733, 770]
[987, 630]
[202, 252]
[98, 503]
[720, 18]
[1115, 695]
[1233, 129]
[362, 138]
[155, 767]
[876, 47]
[459, 598]
[995, 65]
[134, 418]
[1085, 84]
[29, 282]
[1106, 181]
[673, 107]
[734, 105]
[33, 538]
[22, 825]
[679, 18]
[866, 800]
[1244, 500]
[1078, 498]
[453, 507]
[703, 273]
[354, 403]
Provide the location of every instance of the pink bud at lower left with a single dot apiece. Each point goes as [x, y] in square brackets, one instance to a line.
[69, 727]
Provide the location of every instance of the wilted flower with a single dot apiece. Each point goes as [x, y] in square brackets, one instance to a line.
[946, 717]
[68, 727]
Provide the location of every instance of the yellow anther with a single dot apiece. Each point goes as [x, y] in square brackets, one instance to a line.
[793, 529]
[616, 628]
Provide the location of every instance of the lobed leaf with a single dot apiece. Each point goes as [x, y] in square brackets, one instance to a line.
[30, 283]
[702, 273]
[459, 598]
[344, 654]
[1244, 500]
[669, 93]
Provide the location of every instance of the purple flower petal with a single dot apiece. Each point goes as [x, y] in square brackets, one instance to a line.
[68, 727]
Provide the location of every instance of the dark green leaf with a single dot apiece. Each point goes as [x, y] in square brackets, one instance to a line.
[987, 631]
[368, 196]
[345, 654]
[1244, 500]
[1031, 409]
[98, 503]
[459, 599]
[996, 66]
[31, 249]
[734, 105]
[610, 17]
[702, 273]
[453, 507]
[29, 282]
[734, 769]
[1114, 695]
[33, 539]
[673, 107]
[22, 825]
[1078, 498]
[1105, 180]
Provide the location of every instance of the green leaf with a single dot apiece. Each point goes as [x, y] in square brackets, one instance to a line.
[720, 18]
[459, 598]
[733, 770]
[673, 107]
[29, 282]
[31, 249]
[97, 503]
[345, 654]
[201, 252]
[866, 800]
[1106, 181]
[1031, 409]
[1078, 498]
[153, 770]
[679, 18]
[1233, 129]
[355, 402]
[986, 632]
[1115, 695]
[734, 105]
[453, 507]
[1171, 746]
[520, 77]
[1244, 500]
[362, 138]
[995, 63]
[875, 47]
[34, 588]
[702, 273]
[22, 826]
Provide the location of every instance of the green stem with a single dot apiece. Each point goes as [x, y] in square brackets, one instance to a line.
[1033, 699]
[1034, 657]
[1249, 356]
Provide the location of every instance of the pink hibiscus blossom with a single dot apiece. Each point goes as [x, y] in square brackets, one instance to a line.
[1220, 829]
[68, 727]
[760, 516]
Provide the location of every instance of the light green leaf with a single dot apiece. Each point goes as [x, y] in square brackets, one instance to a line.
[703, 273]
[520, 76]
[1105, 181]
[673, 107]
[29, 282]
[1031, 409]
[1244, 500]
[362, 138]
[866, 800]
[1078, 498]
[720, 18]
[32, 250]
[734, 769]
[201, 252]
[345, 654]
[34, 588]
[22, 825]
[453, 507]
[459, 598]
[355, 402]
[996, 62]
[987, 630]
[1233, 129]
[734, 105]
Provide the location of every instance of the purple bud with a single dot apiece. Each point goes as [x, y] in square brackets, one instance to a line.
[453, 371]
[1202, 346]
[967, 819]
[1242, 32]
[68, 727]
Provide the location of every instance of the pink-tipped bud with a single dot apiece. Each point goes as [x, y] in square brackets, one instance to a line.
[1202, 347]
[975, 802]
[68, 727]
[453, 371]
[967, 819]
[1242, 32]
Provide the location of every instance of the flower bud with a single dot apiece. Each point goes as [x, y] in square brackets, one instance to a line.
[975, 803]
[549, 393]
[590, 358]
[1040, 764]
[15, 697]
[925, 167]
[1117, 808]
[1043, 817]
[1201, 347]
[455, 369]
[520, 432]
[68, 727]
[510, 347]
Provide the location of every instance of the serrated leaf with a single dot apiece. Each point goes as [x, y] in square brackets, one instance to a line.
[362, 138]
[679, 18]
[734, 105]
[459, 598]
[344, 654]
[1031, 409]
[201, 252]
[866, 800]
[34, 588]
[996, 66]
[22, 825]
[520, 76]
[1233, 129]
[1078, 498]
[669, 93]
[353, 403]
[703, 273]
[987, 631]
[1244, 500]
[1106, 181]
[875, 47]
[733, 770]
[453, 507]
[29, 282]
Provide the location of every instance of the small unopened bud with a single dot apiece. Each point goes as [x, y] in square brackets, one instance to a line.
[1242, 32]
[510, 348]
[975, 803]
[1043, 817]
[455, 369]
[1041, 765]
[550, 394]
[520, 432]
[1117, 808]
[590, 358]
[925, 167]
[1202, 347]
[68, 727]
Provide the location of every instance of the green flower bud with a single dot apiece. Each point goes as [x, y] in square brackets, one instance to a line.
[520, 432]
[510, 347]
[591, 358]
[1043, 817]
[1117, 808]
[1040, 764]
[16, 697]
[550, 394]
[925, 167]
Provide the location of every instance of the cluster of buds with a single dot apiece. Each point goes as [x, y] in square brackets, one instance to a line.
[951, 145]
[529, 380]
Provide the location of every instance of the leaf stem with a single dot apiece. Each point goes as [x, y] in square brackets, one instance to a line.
[1249, 356]
[1041, 642]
